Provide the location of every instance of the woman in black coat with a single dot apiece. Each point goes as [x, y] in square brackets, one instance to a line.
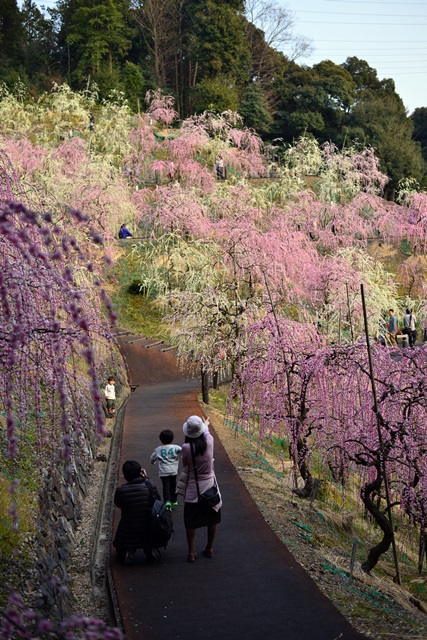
[135, 499]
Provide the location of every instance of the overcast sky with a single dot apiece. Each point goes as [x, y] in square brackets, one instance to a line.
[389, 35]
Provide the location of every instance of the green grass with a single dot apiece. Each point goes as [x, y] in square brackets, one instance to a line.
[11, 537]
[139, 314]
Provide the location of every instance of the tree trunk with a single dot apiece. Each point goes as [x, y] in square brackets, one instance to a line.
[304, 470]
[205, 386]
[215, 380]
[380, 518]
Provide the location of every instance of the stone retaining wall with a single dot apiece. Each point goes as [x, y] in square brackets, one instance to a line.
[59, 514]
[60, 508]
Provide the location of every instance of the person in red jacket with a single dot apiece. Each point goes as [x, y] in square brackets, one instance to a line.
[135, 499]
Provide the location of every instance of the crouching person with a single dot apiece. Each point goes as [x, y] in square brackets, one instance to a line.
[135, 499]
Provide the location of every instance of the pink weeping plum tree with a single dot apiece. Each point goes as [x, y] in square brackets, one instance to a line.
[320, 398]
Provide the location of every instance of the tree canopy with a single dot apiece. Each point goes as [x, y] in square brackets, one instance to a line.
[222, 55]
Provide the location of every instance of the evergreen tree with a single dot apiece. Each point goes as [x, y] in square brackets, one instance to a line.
[254, 108]
[419, 118]
[38, 45]
[99, 30]
[214, 44]
[378, 118]
[381, 121]
[313, 101]
[11, 40]
[66, 53]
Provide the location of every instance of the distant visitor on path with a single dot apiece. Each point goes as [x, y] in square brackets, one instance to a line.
[124, 232]
[135, 499]
[110, 396]
[392, 327]
[202, 499]
[219, 168]
[409, 320]
[167, 457]
[171, 170]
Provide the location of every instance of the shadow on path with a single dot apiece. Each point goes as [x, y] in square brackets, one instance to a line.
[253, 588]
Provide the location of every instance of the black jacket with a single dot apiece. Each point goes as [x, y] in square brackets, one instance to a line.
[135, 501]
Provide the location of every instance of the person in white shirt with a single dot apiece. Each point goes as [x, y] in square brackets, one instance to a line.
[409, 321]
[110, 395]
[167, 457]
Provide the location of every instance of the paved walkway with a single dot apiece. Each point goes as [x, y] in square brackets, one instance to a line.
[253, 588]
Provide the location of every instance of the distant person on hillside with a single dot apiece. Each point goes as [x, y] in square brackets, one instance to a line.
[171, 170]
[110, 396]
[167, 457]
[135, 499]
[219, 168]
[409, 320]
[124, 232]
[392, 327]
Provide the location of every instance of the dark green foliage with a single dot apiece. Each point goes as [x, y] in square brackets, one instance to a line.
[215, 94]
[213, 47]
[419, 118]
[11, 41]
[388, 129]
[98, 29]
[364, 77]
[216, 40]
[38, 46]
[254, 108]
[314, 101]
[211, 57]
[133, 85]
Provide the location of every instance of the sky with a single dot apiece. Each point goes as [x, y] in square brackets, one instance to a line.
[390, 35]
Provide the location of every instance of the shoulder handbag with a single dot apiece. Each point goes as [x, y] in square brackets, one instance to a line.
[209, 498]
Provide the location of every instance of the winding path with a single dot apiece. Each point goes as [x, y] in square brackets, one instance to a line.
[253, 588]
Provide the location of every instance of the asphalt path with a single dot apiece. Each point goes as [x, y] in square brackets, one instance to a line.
[253, 588]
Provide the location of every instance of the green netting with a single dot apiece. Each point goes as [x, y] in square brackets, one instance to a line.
[338, 572]
[307, 537]
[376, 598]
[301, 525]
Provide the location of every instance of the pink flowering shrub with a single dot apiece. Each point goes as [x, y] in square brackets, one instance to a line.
[161, 107]
[321, 400]
[55, 348]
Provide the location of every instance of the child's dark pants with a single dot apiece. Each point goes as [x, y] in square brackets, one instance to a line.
[169, 488]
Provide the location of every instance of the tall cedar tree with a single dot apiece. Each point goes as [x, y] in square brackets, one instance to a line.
[214, 44]
[11, 38]
[38, 46]
[99, 30]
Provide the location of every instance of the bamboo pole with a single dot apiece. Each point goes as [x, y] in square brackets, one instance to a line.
[349, 314]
